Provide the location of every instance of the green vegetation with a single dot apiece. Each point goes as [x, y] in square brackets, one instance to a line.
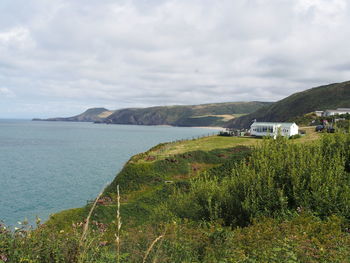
[343, 125]
[90, 115]
[320, 98]
[278, 178]
[215, 114]
[205, 144]
[202, 121]
[216, 199]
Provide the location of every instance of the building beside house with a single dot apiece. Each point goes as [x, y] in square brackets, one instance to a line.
[261, 129]
[319, 113]
[338, 111]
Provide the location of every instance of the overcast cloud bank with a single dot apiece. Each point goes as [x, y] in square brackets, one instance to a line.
[61, 57]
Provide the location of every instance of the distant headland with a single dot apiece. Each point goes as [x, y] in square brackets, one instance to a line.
[215, 114]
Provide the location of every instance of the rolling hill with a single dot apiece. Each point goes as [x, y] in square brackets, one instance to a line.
[215, 114]
[330, 96]
[90, 115]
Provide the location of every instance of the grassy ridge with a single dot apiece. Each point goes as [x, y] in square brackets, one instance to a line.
[191, 115]
[320, 98]
[144, 177]
[90, 115]
[215, 114]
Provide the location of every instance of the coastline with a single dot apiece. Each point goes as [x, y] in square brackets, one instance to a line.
[207, 127]
[160, 125]
[112, 148]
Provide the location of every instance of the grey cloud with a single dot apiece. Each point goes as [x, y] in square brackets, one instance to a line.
[134, 53]
[341, 67]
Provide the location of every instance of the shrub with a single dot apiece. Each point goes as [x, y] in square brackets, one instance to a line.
[278, 178]
[296, 136]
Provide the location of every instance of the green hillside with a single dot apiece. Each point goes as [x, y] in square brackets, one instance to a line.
[215, 114]
[320, 98]
[215, 199]
[90, 115]
[192, 115]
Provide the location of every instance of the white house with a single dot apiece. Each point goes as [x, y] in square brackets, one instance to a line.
[273, 129]
[338, 111]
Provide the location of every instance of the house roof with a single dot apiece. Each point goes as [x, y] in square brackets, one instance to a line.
[281, 124]
[339, 110]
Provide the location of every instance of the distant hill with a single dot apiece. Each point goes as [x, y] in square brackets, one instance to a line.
[330, 96]
[90, 115]
[215, 114]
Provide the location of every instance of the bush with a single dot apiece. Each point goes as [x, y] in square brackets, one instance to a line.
[278, 178]
[296, 136]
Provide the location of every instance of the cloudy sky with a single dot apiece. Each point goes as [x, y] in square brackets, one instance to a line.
[59, 57]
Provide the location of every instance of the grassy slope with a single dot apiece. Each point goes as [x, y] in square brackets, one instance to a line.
[192, 115]
[319, 98]
[215, 114]
[90, 115]
[142, 180]
[299, 238]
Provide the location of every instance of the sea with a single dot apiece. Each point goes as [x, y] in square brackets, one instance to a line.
[46, 167]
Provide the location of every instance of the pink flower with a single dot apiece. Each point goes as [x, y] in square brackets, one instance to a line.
[3, 257]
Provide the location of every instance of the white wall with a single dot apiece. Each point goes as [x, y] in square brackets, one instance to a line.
[285, 131]
[294, 130]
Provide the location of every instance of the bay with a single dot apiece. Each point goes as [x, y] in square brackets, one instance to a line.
[46, 167]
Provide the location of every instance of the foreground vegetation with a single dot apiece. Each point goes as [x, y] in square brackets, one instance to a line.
[252, 201]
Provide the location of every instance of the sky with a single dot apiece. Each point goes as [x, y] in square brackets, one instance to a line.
[60, 57]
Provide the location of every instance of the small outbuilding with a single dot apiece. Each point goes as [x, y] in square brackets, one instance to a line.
[261, 129]
[319, 113]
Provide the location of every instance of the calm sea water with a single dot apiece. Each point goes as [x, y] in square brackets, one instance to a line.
[46, 167]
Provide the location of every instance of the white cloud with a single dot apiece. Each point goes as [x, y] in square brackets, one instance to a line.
[155, 52]
[15, 34]
[324, 12]
[6, 93]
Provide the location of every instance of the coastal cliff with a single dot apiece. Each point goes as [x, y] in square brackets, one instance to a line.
[215, 114]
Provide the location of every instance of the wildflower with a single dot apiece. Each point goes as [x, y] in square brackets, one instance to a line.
[20, 223]
[103, 243]
[16, 228]
[62, 231]
[3, 257]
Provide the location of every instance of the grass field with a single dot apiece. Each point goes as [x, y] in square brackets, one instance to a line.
[217, 142]
[311, 134]
[225, 117]
[202, 144]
